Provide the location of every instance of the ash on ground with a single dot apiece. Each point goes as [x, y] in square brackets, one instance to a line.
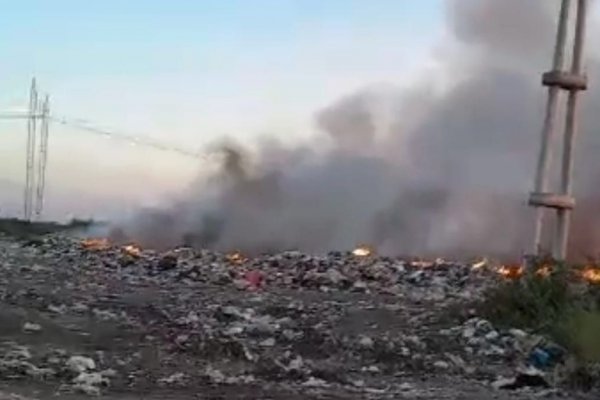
[83, 320]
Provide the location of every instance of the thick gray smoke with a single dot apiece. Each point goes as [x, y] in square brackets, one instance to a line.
[412, 171]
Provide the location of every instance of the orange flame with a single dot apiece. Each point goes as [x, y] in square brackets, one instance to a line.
[544, 271]
[479, 264]
[95, 244]
[362, 251]
[511, 271]
[236, 257]
[132, 250]
[421, 263]
[591, 274]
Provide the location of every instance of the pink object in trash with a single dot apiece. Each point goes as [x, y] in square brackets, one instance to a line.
[254, 279]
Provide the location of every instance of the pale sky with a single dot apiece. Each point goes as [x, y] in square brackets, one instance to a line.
[190, 72]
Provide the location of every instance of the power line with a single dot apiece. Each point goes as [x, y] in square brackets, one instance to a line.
[87, 126]
[15, 115]
[132, 139]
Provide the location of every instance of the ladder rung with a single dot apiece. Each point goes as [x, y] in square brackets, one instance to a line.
[551, 200]
[565, 80]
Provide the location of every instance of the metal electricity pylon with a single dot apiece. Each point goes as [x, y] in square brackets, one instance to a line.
[38, 119]
[558, 80]
[35, 178]
[32, 117]
[42, 157]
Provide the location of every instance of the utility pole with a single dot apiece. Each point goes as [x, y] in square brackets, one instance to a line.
[32, 117]
[42, 157]
[557, 80]
[38, 110]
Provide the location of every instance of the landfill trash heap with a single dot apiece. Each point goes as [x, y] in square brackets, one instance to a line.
[92, 317]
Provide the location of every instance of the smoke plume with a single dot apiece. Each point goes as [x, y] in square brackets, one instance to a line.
[440, 173]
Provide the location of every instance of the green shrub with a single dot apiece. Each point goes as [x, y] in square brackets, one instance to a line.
[580, 332]
[535, 302]
[559, 307]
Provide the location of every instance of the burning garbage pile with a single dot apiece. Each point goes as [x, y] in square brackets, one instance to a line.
[351, 323]
[360, 269]
[361, 262]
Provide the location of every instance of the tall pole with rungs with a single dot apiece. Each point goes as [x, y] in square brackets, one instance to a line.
[573, 81]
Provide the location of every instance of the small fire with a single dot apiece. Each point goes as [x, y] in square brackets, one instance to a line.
[591, 274]
[236, 257]
[511, 271]
[96, 244]
[480, 264]
[422, 264]
[132, 250]
[544, 271]
[362, 251]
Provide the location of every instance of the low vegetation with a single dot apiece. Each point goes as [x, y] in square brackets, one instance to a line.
[558, 306]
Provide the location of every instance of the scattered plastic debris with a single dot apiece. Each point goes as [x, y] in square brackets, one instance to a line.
[339, 323]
